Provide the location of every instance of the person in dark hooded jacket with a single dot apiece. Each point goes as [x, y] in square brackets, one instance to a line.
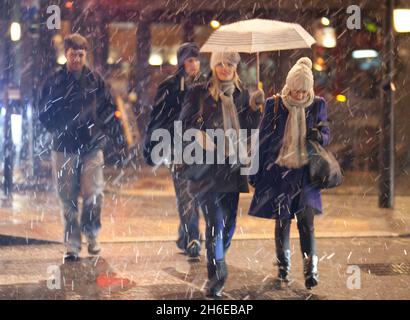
[166, 110]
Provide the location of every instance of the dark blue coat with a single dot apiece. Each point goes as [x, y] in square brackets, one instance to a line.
[280, 192]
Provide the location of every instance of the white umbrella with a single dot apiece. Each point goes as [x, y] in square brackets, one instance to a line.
[258, 35]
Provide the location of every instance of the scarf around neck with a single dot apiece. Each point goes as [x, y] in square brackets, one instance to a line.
[229, 112]
[293, 153]
[230, 118]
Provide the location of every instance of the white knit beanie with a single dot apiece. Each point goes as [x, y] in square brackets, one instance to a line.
[300, 77]
[224, 57]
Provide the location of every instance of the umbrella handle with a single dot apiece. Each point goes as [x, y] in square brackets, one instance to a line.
[257, 69]
[259, 84]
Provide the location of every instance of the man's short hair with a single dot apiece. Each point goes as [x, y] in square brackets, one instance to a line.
[75, 41]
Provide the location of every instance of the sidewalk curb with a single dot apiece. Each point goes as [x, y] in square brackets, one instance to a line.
[256, 237]
[235, 238]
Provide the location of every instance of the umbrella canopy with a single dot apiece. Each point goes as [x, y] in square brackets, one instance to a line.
[258, 35]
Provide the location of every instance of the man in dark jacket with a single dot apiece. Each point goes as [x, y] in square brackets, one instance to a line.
[167, 107]
[76, 107]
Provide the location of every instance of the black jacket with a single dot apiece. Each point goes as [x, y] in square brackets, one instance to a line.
[78, 113]
[166, 109]
[221, 177]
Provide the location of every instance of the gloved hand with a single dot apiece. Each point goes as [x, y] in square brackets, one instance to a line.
[257, 99]
[314, 134]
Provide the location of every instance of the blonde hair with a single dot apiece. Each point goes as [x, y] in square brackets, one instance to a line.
[214, 88]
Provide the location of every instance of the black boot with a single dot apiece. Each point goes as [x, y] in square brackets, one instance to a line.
[217, 275]
[282, 236]
[193, 249]
[310, 271]
[283, 258]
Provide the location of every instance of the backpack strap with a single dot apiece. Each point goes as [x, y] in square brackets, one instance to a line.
[275, 109]
[315, 112]
[276, 105]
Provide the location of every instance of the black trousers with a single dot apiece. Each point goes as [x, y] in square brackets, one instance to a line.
[305, 223]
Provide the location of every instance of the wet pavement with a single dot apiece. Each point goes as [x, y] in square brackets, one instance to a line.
[147, 211]
[157, 270]
[141, 261]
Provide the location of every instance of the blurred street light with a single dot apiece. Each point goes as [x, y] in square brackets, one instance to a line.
[215, 24]
[155, 60]
[69, 4]
[318, 67]
[325, 21]
[61, 60]
[364, 54]
[371, 27]
[16, 129]
[173, 60]
[326, 37]
[401, 20]
[319, 64]
[117, 114]
[341, 98]
[15, 31]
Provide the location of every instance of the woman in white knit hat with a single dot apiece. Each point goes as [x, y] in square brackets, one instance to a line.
[222, 103]
[282, 187]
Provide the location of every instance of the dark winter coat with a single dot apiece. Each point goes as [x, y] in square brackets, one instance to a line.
[79, 113]
[221, 177]
[166, 109]
[281, 192]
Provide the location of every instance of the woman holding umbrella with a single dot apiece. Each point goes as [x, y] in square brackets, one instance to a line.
[282, 187]
[222, 103]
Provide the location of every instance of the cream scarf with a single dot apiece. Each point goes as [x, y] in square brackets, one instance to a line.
[229, 112]
[293, 153]
[230, 118]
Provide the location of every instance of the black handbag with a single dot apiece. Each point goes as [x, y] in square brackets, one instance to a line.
[195, 171]
[324, 170]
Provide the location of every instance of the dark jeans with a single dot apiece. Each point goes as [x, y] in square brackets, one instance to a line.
[305, 223]
[188, 213]
[220, 210]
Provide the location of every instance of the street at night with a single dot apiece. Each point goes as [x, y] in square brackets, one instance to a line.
[217, 151]
[140, 259]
